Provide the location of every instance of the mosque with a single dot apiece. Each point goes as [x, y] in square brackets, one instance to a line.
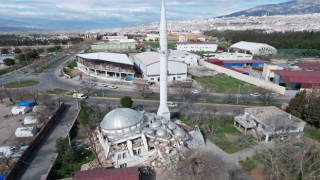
[132, 138]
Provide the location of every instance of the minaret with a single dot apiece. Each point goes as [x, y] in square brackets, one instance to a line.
[163, 109]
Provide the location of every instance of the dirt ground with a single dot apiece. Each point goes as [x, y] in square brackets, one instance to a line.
[258, 174]
[8, 126]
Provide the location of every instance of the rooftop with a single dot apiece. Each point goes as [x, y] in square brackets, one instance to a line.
[111, 57]
[299, 76]
[314, 66]
[148, 58]
[249, 45]
[131, 173]
[197, 42]
[274, 117]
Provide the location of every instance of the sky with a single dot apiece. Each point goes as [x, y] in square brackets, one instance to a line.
[97, 14]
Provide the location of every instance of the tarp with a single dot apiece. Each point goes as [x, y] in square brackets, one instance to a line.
[27, 103]
[25, 131]
[2, 176]
[30, 120]
[19, 109]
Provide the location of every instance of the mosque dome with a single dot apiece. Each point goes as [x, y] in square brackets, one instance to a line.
[171, 125]
[161, 133]
[178, 132]
[121, 118]
[155, 124]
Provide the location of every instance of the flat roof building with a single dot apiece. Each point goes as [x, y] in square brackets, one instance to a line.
[254, 48]
[184, 56]
[229, 56]
[295, 80]
[149, 65]
[107, 66]
[197, 46]
[270, 122]
[116, 45]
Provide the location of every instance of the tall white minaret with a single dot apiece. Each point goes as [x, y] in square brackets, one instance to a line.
[163, 109]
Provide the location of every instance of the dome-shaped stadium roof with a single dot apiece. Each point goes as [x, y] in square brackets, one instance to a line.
[121, 118]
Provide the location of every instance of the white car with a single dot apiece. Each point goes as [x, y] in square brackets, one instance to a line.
[255, 94]
[188, 80]
[113, 87]
[172, 104]
[195, 91]
[274, 94]
[102, 85]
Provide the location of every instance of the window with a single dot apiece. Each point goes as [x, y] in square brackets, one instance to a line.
[119, 156]
[123, 165]
[139, 151]
[124, 155]
[134, 152]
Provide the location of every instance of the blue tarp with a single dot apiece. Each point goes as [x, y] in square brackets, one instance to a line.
[27, 103]
[2, 176]
[129, 78]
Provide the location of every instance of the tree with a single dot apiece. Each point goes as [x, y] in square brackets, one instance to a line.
[40, 51]
[297, 105]
[126, 102]
[4, 51]
[143, 90]
[87, 119]
[17, 51]
[2, 95]
[312, 113]
[9, 94]
[195, 164]
[205, 92]
[184, 88]
[9, 62]
[265, 95]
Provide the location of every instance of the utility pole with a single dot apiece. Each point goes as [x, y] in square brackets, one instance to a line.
[238, 94]
[68, 134]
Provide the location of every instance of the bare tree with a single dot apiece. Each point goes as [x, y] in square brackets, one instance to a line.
[229, 96]
[2, 95]
[205, 92]
[20, 94]
[44, 99]
[265, 95]
[87, 87]
[195, 164]
[9, 94]
[143, 90]
[183, 88]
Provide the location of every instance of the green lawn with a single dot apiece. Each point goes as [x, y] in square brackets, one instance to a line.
[249, 164]
[156, 44]
[226, 136]
[20, 84]
[223, 83]
[313, 133]
[72, 64]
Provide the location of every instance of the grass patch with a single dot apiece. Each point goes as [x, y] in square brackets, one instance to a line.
[65, 169]
[20, 84]
[222, 83]
[156, 44]
[313, 133]
[249, 164]
[223, 133]
[72, 64]
[57, 91]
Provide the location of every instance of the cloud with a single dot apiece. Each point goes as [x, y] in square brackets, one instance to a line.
[126, 12]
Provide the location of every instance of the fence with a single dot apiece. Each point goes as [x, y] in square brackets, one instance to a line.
[21, 163]
[246, 78]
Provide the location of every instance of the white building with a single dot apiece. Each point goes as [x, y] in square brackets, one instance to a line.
[149, 64]
[225, 56]
[197, 46]
[184, 56]
[254, 48]
[270, 122]
[153, 37]
[114, 38]
[107, 66]
[268, 73]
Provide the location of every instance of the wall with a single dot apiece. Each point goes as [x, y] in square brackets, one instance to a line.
[34, 145]
[197, 47]
[246, 78]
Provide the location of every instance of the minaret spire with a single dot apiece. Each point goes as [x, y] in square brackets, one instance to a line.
[163, 108]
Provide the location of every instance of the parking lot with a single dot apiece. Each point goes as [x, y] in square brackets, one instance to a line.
[8, 126]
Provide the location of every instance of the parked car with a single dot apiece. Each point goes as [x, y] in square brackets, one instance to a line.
[79, 96]
[102, 85]
[113, 87]
[255, 94]
[274, 94]
[188, 80]
[195, 91]
[172, 104]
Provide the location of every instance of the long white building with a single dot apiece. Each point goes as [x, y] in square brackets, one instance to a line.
[254, 48]
[197, 46]
[149, 64]
[225, 56]
[184, 56]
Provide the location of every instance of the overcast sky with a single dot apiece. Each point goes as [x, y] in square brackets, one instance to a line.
[95, 14]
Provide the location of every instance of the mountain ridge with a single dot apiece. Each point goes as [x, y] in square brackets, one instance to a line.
[287, 8]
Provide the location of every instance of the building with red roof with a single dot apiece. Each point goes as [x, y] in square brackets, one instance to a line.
[296, 80]
[131, 173]
[309, 66]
